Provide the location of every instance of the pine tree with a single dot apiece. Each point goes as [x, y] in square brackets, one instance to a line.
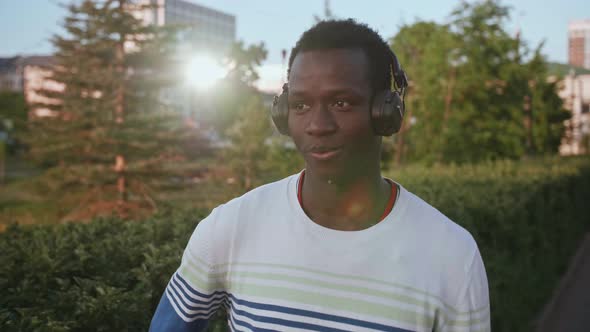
[248, 154]
[114, 145]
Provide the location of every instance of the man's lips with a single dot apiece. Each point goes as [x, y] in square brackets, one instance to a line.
[324, 153]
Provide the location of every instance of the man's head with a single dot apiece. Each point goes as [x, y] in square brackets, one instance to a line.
[348, 34]
[335, 70]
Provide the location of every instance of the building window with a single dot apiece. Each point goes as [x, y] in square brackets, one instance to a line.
[585, 108]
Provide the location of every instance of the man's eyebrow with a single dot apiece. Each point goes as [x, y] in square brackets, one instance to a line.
[338, 91]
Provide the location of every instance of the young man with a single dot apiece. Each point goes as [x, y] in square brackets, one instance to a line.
[336, 247]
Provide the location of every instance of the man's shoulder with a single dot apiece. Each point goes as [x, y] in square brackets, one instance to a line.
[438, 229]
[247, 212]
[266, 193]
[447, 254]
[253, 203]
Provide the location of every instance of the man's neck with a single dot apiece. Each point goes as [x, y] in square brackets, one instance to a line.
[345, 203]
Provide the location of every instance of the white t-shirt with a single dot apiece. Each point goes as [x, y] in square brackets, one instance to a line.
[276, 270]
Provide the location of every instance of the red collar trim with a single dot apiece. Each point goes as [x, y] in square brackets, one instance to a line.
[392, 198]
[388, 208]
[300, 188]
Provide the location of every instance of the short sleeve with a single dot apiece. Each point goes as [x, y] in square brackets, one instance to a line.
[195, 292]
[472, 308]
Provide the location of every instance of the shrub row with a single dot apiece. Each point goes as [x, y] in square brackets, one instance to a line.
[108, 275]
[527, 217]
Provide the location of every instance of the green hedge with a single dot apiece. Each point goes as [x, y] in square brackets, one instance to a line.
[108, 275]
[527, 218]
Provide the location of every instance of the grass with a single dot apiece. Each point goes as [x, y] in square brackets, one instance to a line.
[27, 199]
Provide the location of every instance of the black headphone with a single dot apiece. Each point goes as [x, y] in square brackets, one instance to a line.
[387, 107]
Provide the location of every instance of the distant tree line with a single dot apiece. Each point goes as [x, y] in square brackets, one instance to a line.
[476, 91]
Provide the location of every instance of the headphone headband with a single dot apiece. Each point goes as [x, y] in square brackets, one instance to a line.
[400, 79]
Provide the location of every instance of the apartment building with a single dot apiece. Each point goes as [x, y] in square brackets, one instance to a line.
[575, 93]
[212, 29]
[29, 74]
[579, 43]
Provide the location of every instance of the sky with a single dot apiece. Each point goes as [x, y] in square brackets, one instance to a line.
[27, 25]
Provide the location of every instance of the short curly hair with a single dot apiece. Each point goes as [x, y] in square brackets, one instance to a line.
[349, 34]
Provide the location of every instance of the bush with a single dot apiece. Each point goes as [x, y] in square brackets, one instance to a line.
[528, 218]
[108, 275]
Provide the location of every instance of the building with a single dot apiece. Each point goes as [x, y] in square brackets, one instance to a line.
[210, 32]
[575, 92]
[37, 71]
[11, 74]
[211, 29]
[29, 74]
[579, 43]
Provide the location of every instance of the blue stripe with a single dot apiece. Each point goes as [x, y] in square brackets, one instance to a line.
[192, 290]
[284, 322]
[213, 303]
[307, 313]
[193, 297]
[245, 324]
[281, 309]
[166, 319]
[232, 327]
[198, 315]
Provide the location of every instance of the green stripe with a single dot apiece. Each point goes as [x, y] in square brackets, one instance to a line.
[333, 302]
[307, 282]
[303, 297]
[204, 285]
[331, 286]
[215, 281]
[468, 322]
[311, 282]
[483, 329]
[447, 306]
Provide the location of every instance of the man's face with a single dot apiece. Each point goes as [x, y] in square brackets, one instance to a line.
[329, 112]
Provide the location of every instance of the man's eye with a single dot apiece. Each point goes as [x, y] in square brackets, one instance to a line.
[300, 107]
[341, 104]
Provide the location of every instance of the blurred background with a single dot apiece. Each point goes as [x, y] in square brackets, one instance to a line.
[158, 110]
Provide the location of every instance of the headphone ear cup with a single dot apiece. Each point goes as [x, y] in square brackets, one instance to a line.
[387, 113]
[280, 112]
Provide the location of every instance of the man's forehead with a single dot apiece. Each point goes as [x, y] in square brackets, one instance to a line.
[350, 63]
[351, 56]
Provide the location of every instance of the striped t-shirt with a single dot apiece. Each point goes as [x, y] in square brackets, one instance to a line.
[274, 269]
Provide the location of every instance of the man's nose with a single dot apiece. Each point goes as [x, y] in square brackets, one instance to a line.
[322, 122]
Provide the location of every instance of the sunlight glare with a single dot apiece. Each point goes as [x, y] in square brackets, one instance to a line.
[203, 71]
